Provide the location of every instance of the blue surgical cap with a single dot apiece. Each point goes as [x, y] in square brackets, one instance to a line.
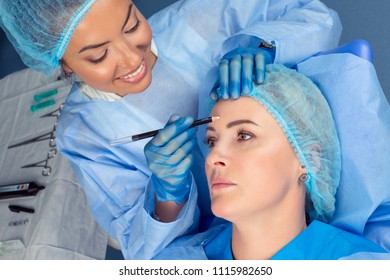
[301, 110]
[40, 30]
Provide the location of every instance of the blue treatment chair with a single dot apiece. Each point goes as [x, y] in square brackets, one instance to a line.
[359, 47]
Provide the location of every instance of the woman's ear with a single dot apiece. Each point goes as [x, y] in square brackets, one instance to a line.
[65, 67]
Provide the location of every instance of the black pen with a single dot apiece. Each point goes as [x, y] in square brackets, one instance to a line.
[148, 134]
[18, 209]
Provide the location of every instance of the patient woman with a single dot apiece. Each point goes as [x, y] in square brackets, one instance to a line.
[273, 171]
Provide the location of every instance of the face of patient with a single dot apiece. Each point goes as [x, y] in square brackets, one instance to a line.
[111, 48]
[252, 170]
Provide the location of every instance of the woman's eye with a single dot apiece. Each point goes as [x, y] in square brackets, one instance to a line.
[134, 28]
[243, 136]
[210, 141]
[100, 59]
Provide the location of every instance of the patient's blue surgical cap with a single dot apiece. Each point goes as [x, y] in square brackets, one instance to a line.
[301, 110]
[40, 30]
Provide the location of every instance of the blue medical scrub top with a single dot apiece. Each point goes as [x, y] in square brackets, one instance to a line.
[319, 241]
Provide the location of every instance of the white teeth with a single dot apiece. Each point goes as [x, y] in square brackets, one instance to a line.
[134, 73]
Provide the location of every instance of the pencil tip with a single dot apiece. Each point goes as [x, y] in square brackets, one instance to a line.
[215, 118]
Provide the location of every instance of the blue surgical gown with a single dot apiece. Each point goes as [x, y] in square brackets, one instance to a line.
[319, 241]
[191, 37]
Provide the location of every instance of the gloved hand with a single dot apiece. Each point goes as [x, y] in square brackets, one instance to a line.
[169, 158]
[236, 72]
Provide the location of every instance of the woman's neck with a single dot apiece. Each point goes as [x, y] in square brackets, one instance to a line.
[262, 238]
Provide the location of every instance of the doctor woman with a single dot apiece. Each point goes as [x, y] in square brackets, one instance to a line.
[273, 171]
[131, 75]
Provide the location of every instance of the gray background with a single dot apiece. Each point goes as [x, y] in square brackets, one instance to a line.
[361, 19]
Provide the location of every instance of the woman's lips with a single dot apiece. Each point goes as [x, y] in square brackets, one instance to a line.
[220, 183]
[136, 75]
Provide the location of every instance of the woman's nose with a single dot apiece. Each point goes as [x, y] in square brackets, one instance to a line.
[217, 158]
[129, 55]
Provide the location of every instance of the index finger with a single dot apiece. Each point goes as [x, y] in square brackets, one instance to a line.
[260, 68]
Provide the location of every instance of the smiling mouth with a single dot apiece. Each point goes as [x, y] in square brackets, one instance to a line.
[133, 75]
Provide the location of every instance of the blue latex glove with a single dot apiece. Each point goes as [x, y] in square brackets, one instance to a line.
[236, 71]
[169, 158]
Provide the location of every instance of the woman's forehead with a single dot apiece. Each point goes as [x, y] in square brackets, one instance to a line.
[243, 106]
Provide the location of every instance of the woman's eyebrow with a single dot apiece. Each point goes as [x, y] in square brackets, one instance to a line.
[94, 46]
[128, 15]
[232, 124]
[238, 122]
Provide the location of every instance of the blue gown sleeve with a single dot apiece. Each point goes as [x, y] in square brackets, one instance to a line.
[298, 30]
[149, 237]
[127, 215]
[116, 180]
[207, 30]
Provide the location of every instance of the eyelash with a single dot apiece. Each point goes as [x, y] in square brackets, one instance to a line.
[239, 134]
[100, 59]
[207, 141]
[246, 133]
[134, 28]
[131, 30]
